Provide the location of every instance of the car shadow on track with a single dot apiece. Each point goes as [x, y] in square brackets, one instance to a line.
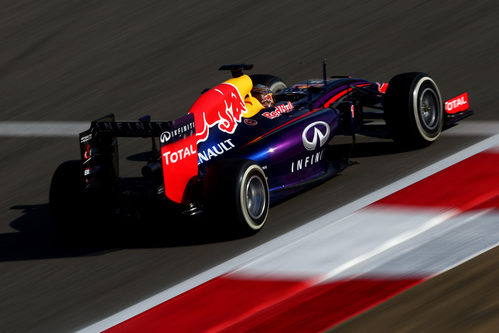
[37, 239]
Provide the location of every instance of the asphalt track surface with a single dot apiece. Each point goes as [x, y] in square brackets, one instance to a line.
[76, 61]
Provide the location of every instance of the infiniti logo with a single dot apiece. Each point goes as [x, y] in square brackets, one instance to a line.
[178, 132]
[165, 137]
[315, 135]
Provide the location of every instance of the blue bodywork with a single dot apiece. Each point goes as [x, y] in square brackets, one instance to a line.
[290, 141]
[278, 145]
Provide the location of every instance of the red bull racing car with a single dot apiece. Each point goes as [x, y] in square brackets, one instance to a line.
[233, 155]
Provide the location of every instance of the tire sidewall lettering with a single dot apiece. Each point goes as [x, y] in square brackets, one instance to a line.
[430, 137]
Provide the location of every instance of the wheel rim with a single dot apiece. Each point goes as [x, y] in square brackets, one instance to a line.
[255, 197]
[428, 109]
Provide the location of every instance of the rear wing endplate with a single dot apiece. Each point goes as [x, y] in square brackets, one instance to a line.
[99, 151]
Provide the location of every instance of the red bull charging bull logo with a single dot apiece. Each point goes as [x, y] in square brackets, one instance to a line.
[221, 106]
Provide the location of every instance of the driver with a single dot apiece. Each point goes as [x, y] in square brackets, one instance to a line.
[264, 95]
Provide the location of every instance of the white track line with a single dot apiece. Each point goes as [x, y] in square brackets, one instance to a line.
[288, 238]
[391, 243]
[42, 128]
[475, 127]
[73, 128]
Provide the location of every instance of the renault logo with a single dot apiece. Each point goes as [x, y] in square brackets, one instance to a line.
[315, 135]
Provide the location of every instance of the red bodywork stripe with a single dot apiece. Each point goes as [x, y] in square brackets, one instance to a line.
[341, 94]
[275, 129]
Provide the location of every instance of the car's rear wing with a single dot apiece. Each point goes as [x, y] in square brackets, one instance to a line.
[99, 147]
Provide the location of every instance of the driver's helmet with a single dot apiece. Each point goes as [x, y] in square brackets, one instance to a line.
[264, 95]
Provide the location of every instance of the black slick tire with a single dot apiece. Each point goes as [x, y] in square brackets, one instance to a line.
[66, 198]
[79, 218]
[413, 110]
[236, 194]
[275, 83]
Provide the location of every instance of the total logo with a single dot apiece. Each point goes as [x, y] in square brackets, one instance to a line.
[315, 135]
[459, 103]
[455, 103]
[172, 157]
[215, 151]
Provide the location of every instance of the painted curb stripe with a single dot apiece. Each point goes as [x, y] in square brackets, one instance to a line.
[469, 185]
[323, 305]
[254, 300]
[308, 309]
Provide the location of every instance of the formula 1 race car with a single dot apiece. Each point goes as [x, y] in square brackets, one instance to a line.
[231, 158]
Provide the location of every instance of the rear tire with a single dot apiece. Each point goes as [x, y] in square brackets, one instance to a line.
[275, 83]
[413, 110]
[236, 192]
[66, 198]
[79, 218]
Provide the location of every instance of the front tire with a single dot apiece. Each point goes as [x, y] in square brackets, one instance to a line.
[413, 110]
[236, 192]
